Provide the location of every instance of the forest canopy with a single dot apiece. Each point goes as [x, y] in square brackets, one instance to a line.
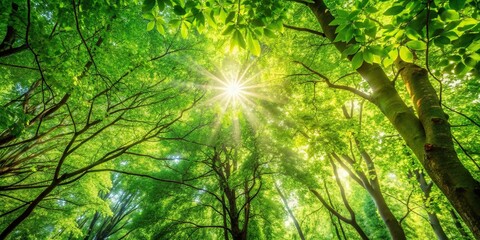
[223, 119]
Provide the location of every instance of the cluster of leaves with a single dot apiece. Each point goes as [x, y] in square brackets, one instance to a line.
[244, 21]
[121, 93]
[380, 36]
[77, 97]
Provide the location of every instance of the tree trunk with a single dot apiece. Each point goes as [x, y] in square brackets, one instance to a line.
[458, 225]
[428, 135]
[432, 217]
[373, 188]
[436, 226]
[290, 212]
[372, 185]
[394, 227]
[439, 157]
[92, 225]
[352, 221]
[29, 209]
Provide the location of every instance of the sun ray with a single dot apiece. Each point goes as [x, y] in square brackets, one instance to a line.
[237, 91]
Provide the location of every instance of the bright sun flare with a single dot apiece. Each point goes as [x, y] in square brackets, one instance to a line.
[236, 91]
[233, 89]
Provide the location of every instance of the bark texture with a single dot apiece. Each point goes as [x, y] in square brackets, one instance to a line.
[440, 159]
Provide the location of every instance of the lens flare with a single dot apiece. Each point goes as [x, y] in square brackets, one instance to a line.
[233, 89]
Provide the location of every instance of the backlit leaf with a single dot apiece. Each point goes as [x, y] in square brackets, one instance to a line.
[405, 54]
[394, 10]
[150, 25]
[416, 45]
[357, 60]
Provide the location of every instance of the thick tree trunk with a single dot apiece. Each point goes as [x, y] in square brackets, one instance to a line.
[428, 135]
[458, 225]
[440, 159]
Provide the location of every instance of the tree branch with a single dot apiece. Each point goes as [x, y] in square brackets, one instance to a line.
[331, 85]
[301, 29]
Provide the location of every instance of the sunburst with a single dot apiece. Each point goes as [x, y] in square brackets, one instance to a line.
[236, 90]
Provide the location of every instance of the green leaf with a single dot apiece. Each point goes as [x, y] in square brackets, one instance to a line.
[368, 56]
[455, 58]
[405, 54]
[412, 34]
[276, 26]
[377, 50]
[443, 63]
[459, 68]
[337, 21]
[449, 15]
[464, 41]
[391, 57]
[184, 29]
[361, 4]
[452, 25]
[160, 29]
[230, 17]
[371, 32]
[469, 61]
[253, 45]
[416, 45]
[258, 22]
[369, 23]
[457, 4]
[200, 18]
[211, 19]
[179, 10]
[371, 9]
[148, 16]
[175, 23]
[150, 25]
[238, 39]
[345, 34]
[452, 35]
[449, 68]
[148, 5]
[161, 5]
[349, 33]
[467, 24]
[393, 10]
[350, 50]
[357, 60]
[229, 29]
[441, 40]
[268, 33]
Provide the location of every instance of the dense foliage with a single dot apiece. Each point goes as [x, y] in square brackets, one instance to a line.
[222, 119]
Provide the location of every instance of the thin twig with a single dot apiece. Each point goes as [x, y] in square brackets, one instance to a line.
[426, 53]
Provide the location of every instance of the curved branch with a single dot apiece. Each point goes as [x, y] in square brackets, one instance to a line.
[332, 85]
